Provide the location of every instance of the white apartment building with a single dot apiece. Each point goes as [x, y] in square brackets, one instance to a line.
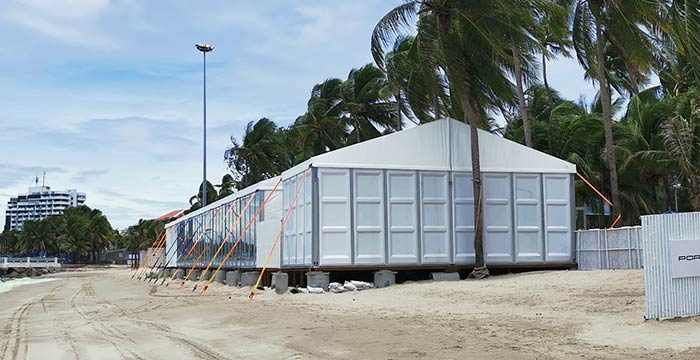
[38, 203]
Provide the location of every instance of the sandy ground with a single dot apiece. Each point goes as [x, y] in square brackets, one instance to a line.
[103, 314]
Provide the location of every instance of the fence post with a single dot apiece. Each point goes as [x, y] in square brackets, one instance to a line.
[629, 245]
[607, 250]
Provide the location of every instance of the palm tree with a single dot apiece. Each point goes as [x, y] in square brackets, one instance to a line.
[99, 233]
[552, 33]
[609, 34]
[8, 241]
[261, 155]
[212, 196]
[681, 137]
[74, 234]
[365, 109]
[472, 40]
[398, 74]
[645, 161]
[321, 128]
[226, 187]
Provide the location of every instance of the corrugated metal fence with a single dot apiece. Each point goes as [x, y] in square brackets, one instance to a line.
[609, 249]
[667, 297]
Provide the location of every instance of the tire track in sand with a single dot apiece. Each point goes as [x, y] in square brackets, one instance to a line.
[16, 343]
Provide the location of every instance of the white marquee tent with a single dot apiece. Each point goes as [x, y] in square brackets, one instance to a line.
[405, 200]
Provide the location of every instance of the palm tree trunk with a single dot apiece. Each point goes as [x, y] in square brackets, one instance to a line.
[667, 192]
[357, 129]
[398, 105]
[472, 117]
[606, 102]
[436, 105]
[521, 97]
[544, 71]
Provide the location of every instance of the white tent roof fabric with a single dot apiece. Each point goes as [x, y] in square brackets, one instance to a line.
[424, 148]
[268, 184]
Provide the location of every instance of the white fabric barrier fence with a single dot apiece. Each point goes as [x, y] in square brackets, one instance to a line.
[609, 249]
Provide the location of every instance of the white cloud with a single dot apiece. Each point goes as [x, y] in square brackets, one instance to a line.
[71, 21]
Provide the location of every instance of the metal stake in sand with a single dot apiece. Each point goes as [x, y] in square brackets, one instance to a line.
[176, 257]
[233, 248]
[148, 251]
[161, 238]
[292, 205]
[619, 217]
[165, 259]
[228, 235]
[157, 261]
[193, 247]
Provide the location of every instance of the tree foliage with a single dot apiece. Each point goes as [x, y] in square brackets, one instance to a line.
[80, 232]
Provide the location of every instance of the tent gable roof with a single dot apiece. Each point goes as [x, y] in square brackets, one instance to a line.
[424, 148]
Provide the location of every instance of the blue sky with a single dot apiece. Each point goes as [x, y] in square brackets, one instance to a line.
[106, 95]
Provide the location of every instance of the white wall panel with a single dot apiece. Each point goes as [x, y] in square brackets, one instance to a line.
[369, 217]
[498, 217]
[334, 220]
[296, 249]
[307, 198]
[403, 217]
[290, 232]
[300, 219]
[557, 221]
[171, 244]
[463, 217]
[435, 220]
[529, 238]
[266, 232]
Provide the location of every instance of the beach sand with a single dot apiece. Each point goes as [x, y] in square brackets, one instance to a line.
[103, 314]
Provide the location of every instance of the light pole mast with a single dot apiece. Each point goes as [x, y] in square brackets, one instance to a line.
[204, 48]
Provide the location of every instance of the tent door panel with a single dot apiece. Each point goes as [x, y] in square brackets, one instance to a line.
[402, 217]
[369, 217]
[335, 242]
[498, 218]
[463, 213]
[435, 218]
[557, 221]
[529, 238]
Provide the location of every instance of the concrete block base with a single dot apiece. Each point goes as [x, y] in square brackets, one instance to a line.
[384, 278]
[220, 277]
[206, 275]
[180, 274]
[249, 278]
[445, 276]
[318, 279]
[233, 278]
[194, 275]
[280, 281]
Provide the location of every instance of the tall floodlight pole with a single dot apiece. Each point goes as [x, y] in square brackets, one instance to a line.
[204, 48]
